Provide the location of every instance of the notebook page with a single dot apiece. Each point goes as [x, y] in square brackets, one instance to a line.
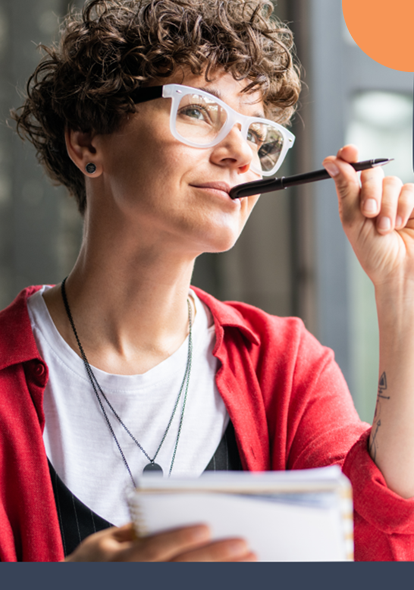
[274, 531]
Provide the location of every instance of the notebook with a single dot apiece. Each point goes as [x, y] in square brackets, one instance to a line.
[285, 515]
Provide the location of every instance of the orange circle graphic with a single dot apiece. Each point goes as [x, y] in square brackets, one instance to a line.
[384, 30]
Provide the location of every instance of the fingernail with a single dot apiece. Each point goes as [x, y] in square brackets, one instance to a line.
[398, 221]
[237, 547]
[370, 206]
[332, 169]
[384, 223]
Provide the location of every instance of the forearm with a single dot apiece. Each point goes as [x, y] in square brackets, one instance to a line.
[392, 438]
[377, 215]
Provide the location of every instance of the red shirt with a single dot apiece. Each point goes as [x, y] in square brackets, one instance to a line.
[285, 395]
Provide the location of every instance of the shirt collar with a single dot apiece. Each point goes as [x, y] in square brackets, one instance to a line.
[227, 315]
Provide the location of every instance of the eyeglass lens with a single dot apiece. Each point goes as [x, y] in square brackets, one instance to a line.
[200, 119]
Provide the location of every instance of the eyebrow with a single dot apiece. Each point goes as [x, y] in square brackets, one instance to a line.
[219, 95]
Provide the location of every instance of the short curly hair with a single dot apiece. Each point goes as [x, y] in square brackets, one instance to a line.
[111, 47]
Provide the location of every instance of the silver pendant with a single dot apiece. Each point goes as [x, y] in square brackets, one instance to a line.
[153, 468]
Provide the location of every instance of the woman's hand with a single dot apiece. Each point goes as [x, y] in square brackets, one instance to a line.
[185, 544]
[377, 217]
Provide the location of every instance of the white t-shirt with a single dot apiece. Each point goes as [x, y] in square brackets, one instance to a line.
[77, 439]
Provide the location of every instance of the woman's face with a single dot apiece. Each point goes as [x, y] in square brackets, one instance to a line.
[158, 185]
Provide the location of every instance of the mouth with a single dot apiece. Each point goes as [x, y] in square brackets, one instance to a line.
[221, 188]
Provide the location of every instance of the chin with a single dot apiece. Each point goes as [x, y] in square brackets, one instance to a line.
[221, 243]
[211, 234]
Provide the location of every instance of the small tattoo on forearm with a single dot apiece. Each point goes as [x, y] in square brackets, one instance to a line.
[372, 444]
[382, 387]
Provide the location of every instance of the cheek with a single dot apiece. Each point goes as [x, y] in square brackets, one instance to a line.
[153, 182]
[162, 163]
[142, 166]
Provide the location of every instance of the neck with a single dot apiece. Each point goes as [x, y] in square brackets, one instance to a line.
[129, 308]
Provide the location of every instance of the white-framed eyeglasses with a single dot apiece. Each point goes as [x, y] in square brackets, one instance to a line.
[201, 120]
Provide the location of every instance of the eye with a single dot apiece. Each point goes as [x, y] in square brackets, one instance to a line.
[255, 138]
[196, 112]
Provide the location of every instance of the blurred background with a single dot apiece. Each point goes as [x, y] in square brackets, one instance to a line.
[293, 258]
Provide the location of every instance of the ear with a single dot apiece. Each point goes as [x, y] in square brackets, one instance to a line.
[82, 152]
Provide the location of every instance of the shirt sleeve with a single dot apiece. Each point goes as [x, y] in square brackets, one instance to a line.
[384, 521]
[323, 428]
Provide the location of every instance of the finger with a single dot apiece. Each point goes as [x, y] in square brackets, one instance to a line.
[249, 557]
[391, 188]
[222, 551]
[371, 191]
[346, 179]
[105, 545]
[166, 546]
[124, 533]
[347, 188]
[349, 153]
[405, 206]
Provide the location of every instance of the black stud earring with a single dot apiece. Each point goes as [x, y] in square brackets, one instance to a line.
[91, 168]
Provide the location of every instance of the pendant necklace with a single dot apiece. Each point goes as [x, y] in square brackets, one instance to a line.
[100, 395]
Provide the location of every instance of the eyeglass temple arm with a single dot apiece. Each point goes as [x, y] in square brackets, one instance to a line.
[146, 94]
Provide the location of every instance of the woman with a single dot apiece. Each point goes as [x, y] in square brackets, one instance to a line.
[149, 112]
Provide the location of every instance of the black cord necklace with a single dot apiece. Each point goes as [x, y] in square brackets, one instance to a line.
[152, 466]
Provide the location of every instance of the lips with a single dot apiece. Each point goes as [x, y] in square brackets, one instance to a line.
[220, 186]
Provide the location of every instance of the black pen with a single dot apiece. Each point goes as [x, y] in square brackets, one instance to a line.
[268, 185]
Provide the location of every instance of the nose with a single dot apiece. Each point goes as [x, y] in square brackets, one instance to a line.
[233, 151]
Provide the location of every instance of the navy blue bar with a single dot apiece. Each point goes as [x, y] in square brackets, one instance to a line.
[165, 576]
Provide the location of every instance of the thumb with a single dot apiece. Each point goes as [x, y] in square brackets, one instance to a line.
[347, 188]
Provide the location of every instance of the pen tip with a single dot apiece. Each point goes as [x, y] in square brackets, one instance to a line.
[382, 161]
